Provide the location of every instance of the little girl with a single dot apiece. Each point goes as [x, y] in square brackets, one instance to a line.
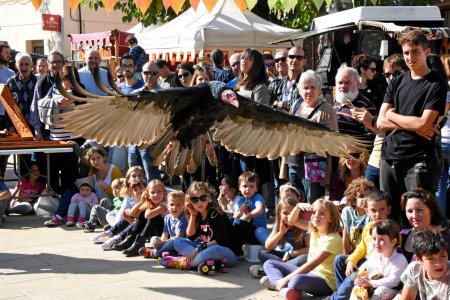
[228, 196]
[384, 262]
[84, 201]
[30, 188]
[149, 214]
[284, 243]
[208, 232]
[354, 215]
[316, 276]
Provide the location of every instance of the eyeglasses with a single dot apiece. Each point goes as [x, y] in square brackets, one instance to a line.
[202, 198]
[393, 74]
[127, 66]
[282, 59]
[372, 69]
[356, 155]
[269, 65]
[184, 75]
[419, 195]
[298, 57]
[201, 68]
[235, 64]
[119, 76]
[151, 73]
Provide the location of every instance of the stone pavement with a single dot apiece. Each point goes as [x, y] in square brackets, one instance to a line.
[62, 263]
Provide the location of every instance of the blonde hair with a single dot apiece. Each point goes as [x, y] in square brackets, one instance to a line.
[151, 184]
[126, 189]
[118, 182]
[298, 233]
[334, 214]
[176, 194]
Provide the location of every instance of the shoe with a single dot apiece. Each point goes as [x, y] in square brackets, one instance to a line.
[106, 227]
[174, 262]
[257, 271]
[89, 227]
[291, 294]
[265, 282]
[134, 249]
[81, 221]
[70, 221]
[102, 237]
[147, 252]
[125, 244]
[210, 267]
[106, 246]
[53, 222]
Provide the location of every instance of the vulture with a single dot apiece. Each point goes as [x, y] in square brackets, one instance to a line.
[181, 119]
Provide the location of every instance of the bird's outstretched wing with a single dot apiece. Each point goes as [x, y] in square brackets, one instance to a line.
[257, 130]
[125, 120]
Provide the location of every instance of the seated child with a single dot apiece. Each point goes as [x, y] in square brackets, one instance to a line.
[284, 243]
[354, 215]
[252, 212]
[84, 201]
[429, 276]
[175, 225]
[30, 188]
[99, 213]
[228, 197]
[384, 265]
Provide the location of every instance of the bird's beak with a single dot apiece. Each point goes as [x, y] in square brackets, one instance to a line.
[235, 103]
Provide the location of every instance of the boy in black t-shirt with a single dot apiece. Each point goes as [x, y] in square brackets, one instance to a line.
[412, 104]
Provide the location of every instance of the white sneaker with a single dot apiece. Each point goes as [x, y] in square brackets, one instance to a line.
[265, 282]
[106, 246]
[257, 271]
[102, 237]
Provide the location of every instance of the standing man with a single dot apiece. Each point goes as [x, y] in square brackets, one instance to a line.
[167, 78]
[218, 59]
[414, 100]
[280, 63]
[128, 68]
[93, 59]
[5, 72]
[235, 64]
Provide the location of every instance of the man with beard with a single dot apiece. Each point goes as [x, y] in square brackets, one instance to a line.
[5, 74]
[128, 67]
[355, 113]
[93, 59]
[413, 103]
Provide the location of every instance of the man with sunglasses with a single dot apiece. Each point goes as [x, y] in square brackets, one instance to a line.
[280, 63]
[270, 66]
[284, 92]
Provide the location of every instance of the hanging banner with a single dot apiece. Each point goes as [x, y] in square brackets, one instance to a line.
[109, 5]
[37, 3]
[177, 5]
[241, 4]
[143, 5]
[73, 4]
[194, 4]
[167, 3]
[209, 4]
[51, 22]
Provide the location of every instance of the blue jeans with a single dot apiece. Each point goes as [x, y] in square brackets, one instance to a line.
[143, 158]
[373, 174]
[83, 208]
[65, 202]
[309, 283]
[344, 283]
[216, 252]
[262, 234]
[168, 246]
[441, 193]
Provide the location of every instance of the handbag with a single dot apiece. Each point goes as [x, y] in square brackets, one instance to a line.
[46, 206]
[316, 167]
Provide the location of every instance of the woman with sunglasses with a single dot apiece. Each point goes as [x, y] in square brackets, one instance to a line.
[348, 170]
[421, 211]
[209, 230]
[185, 72]
[367, 68]
[202, 74]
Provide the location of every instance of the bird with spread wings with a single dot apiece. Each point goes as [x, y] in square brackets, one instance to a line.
[182, 117]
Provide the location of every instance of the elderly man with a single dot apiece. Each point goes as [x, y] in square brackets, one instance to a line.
[284, 92]
[280, 63]
[355, 113]
[93, 59]
[235, 64]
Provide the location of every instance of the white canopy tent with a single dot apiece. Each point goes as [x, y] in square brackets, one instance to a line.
[195, 33]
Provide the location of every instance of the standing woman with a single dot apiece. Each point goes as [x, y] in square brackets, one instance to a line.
[252, 82]
[185, 72]
[315, 109]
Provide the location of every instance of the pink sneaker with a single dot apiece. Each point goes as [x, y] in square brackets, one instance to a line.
[174, 262]
[53, 222]
[291, 294]
[80, 222]
[70, 221]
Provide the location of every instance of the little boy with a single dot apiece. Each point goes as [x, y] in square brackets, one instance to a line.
[378, 208]
[429, 276]
[252, 211]
[175, 225]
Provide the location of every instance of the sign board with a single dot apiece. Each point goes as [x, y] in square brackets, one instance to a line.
[51, 22]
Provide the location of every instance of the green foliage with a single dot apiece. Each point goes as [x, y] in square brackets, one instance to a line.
[300, 18]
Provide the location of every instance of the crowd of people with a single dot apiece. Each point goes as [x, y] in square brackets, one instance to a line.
[372, 225]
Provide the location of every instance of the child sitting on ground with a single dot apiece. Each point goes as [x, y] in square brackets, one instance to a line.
[175, 225]
[84, 201]
[228, 196]
[429, 276]
[385, 264]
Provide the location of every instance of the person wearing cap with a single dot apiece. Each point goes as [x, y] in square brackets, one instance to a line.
[84, 200]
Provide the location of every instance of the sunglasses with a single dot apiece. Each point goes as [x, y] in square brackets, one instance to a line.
[356, 155]
[298, 57]
[200, 68]
[372, 69]
[269, 65]
[151, 73]
[202, 198]
[119, 76]
[410, 195]
[282, 59]
[393, 74]
[184, 75]
[235, 64]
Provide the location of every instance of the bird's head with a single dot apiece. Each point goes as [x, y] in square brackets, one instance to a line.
[223, 93]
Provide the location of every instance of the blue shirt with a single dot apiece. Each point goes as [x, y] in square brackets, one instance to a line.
[88, 81]
[3, 187]
[175, 226]
[128, 89]
[222, 75]
[260, 221]
[232, 83]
